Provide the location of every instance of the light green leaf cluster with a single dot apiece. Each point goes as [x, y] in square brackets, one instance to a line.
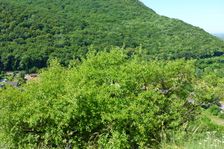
[106, 100]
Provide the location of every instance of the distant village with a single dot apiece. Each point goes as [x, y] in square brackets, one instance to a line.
[16, 79]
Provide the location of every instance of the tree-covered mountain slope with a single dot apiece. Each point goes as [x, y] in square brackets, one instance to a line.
[32, 31]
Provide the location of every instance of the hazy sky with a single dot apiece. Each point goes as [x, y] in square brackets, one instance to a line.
[207, 14]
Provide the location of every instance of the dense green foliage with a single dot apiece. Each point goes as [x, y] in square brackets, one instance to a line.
[34, 31]
[1, 74]
[137, 96]
[108, 100]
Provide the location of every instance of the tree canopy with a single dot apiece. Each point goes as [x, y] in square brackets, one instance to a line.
[106, 100]
[34, 31]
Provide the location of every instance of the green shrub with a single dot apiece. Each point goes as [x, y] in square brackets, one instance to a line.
[107, 100]
[221, 115]
[214, 110]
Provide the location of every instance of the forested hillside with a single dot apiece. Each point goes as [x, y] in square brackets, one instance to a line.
[115, 75]
[34, 31]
